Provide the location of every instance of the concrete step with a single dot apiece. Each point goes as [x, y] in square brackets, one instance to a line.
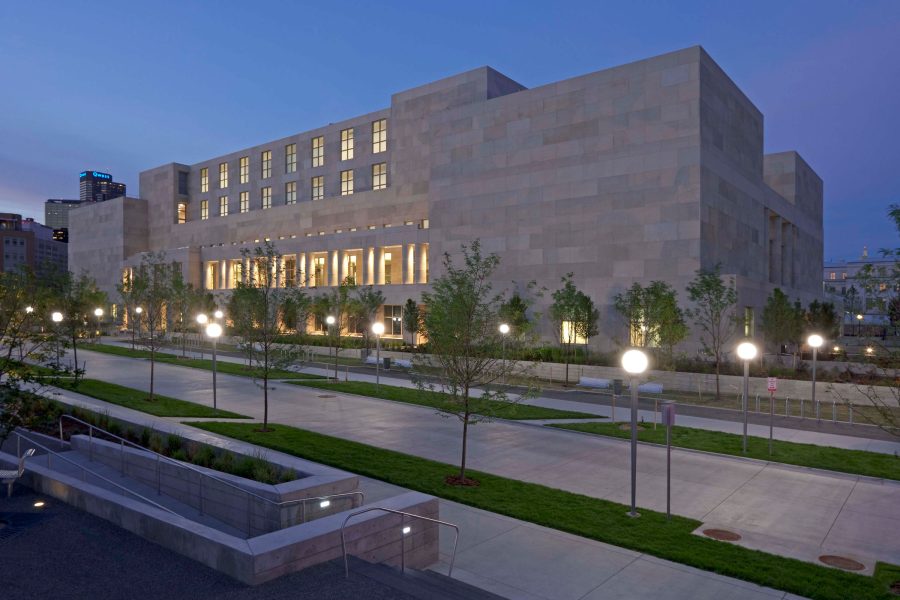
[423, 585]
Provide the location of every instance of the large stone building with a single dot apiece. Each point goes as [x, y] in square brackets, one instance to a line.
[645, 171]
[28, 244]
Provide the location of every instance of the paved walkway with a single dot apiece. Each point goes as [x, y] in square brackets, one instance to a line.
[781, 509]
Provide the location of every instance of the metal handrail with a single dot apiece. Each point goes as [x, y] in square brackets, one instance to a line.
[402, 533]
[183, 465]
[84, 470]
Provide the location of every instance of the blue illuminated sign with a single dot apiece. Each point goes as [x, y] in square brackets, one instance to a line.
[97, 175]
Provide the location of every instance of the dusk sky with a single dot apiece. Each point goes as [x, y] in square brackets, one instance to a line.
[126, 86]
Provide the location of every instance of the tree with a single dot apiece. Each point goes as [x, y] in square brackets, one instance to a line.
[631, 305]
[822, 318]
[713, 312]
[461, 321]
[339, 304]
[411, 319]
[894, 311]
[652, 315]
[782, 322]
[150, 287]
[366, 303]
[262, 305]
[186, 302]
[78, 297]
[574, 317]
[670, 327]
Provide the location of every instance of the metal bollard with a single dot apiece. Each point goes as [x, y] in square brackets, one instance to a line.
[833, 411]
[818, 410]
[757, 403]
[850, 407]
[787, 406]
[801, 407]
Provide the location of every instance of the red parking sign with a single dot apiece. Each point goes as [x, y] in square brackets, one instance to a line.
[772, 384]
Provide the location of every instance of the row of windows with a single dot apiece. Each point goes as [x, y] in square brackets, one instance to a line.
[317, 156]
[317, 192]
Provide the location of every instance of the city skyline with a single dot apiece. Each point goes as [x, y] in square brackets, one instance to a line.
[804, 66]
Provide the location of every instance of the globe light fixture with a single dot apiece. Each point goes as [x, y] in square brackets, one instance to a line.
[29, 309]
[330, 319]
[836, 349]
[218, 314]
[213, 330]
[139, 310]
[634, 362]
[98, 312]
[746, 351]
[202, 319]
[378, 328]
[815, 342]
[57, 317]
[504, 328]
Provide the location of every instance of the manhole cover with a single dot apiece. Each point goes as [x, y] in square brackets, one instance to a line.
[326, 395]
[842, 562]
[722, 535]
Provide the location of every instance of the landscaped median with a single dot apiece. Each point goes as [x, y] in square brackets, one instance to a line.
[228, 368]
[858, 462]
[574, 513]
[438, 400]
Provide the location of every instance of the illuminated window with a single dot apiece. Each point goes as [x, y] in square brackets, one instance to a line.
[204, 209]
[351, 267]
[290, 158]
[388, 276]
[844, 275]
[245, 202]
[266, 197]
[318, 151]
[379, 136]
[290, 192]
[245, 169]
[204, 180]
[832, 276]
[347, 144]
[223, 175]
[749, 324]
[318, 271]
[290, 271]
[346, 182]
[212, 275]
[379, 176]
[237, 272]
[182, 213]
[318, 187]
[569, 335]
[223, 206]
[393, 322]
[882, 287]
[266, 164]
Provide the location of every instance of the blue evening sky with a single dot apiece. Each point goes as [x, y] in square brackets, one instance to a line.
[124, 86]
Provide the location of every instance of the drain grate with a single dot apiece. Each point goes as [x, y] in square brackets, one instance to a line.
[12, 524]
[722, 535]
[842, 562]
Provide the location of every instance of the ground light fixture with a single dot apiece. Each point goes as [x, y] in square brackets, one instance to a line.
[406, 530]
[213, 331]
[378, 330]
[815, 342]
[634, 362]
[38, 504]
[746, 351]
[324, 503]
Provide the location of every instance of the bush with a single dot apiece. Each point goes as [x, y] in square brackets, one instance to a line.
[173, 443]
[205, 456]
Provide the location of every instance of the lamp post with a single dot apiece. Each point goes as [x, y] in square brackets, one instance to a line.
[202, 320]
[504, 331]
[330, 320]
[378, 330]
[746, 351]
[634, 362]
[859, 320]
[57, 318]
[135, 321]
[815, 342]
[98, 312]
[213, 331]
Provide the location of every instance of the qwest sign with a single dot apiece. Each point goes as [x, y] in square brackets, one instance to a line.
[96, 175]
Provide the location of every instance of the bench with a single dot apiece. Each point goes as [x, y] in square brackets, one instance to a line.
[593, 382]
[9, 477]
[651, 388]
[400, 362]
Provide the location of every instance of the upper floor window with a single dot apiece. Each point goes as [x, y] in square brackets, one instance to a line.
[204, 209]
[290, 192]
[347, 144]
[379, 176]
[183, 183]
[181, 216]
[245, 169]
[318, 187]
[223, 175]
[223, 206]
[832, 275]
[379, 136]
[245, 202]
[267, 197]
[318, 151]
[204, 180]
[290, 158]
[266, 164]
[346, 182]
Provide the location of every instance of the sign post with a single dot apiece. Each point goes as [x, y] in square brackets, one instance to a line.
[772, 386]
[668, 418]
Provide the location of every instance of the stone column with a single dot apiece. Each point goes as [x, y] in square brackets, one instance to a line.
[422, 270]
[409, 275]
[342, 263]
[369, 266]
[302, 269]
[223, 282]
[279, 271]
[333, 275]
[379, 266]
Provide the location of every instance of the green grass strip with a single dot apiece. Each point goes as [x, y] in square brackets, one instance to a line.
[161, 406]
[437, 400]
[588, 517]
[228, 368]
[858, 462]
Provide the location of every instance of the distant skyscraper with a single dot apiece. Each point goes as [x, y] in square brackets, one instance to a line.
[99, 187]
[56, 212]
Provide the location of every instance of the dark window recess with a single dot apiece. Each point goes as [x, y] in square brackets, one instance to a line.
[183, 183]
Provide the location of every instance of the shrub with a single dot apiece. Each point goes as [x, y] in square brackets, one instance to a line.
[205, 456]
[173, 443]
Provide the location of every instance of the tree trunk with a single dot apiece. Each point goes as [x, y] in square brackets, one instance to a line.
[717, 377]
[152, 363]
[566, 354]
[183, 339]
[75, 354]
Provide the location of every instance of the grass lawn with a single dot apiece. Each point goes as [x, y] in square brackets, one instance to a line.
[858, 462]
[161, 406]
[588, 517]
[228, 368]
[502, 410]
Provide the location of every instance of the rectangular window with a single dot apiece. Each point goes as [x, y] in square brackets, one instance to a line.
[223, 206]
[266, 164]
[569, 335]
[393, 323]
[237, 272]
[832, 276]
[318, 151]
[182, 213]
[223, 175]
[290, 192]
[245, 169]
[346, 182]
[290, 271]
[204, 180]
[183, 183]
[352, 271]
[290, 158]
[318, 271]
[379, 176]
[318, 187]
[749, 325]
[266, 198]
[204, 209]
[245, 202]
[212, 275]
[379, 136]
[347, 144]
[388, 276]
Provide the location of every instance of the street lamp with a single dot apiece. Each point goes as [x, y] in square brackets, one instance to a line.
[330, 320]
[202, 320]
[213, 331]
[218, 314]
[378, 330]
[815, 342]
[29, 309]
[634, 362]
[504, 331]
[98, 312]
[746, 351]
[135, 321]
[859, 319]
[57, 318]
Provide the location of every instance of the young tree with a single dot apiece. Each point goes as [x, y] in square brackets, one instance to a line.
[461, 320]
[186, 302]
[822, 318]
[78, 297]
[714, 301]
[365, 306]
[518, 312]
[411, 319]
[632, 306]
[574, 317]
[151, 289]
[669, 324]
[782, 322]
[338, 304]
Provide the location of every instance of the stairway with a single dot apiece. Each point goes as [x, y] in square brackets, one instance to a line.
[423, 585]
